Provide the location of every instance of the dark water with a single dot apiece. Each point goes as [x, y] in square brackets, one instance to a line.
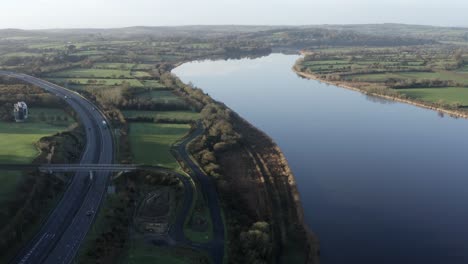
[381, 182]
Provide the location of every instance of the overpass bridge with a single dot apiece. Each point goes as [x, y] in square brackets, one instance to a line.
[54, 168]
[86, 167]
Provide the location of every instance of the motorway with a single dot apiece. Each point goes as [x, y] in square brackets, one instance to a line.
[61, 234]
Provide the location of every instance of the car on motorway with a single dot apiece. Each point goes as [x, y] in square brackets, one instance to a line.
[90, 213]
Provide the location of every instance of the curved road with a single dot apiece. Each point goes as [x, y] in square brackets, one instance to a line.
[216, 246]
[60, 236]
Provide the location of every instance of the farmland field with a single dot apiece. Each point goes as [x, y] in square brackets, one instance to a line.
[92, 73]
[166, 96]
[179, 115]
[143, 67]
[440, 75]
[448, 95]
[376, 77]
[151, 143]
[21, 54]
[153, 84]
[140, 74]
[436, 75]
[91, 81]
[115, 66]
[90, 53]
[17, 139]
[140, 253]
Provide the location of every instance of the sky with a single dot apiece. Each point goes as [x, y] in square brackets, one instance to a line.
[39, 14]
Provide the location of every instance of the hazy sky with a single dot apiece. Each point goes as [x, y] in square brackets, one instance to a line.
[120, 13]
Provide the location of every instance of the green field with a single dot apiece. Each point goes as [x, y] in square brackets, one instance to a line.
[325, 62]
[376, 77]
[17, 139]
[90, 81]
[115, 66]
[92, 73]
[202, 213]
[160, 95]
[179, 115]
[90, 52]
[449, 95]
[153, 84]
[442, 75]
[141, 253]
[143, 67]
[48, 45]
[140, 74]
[460, 77]
[151, 143]
[22, 54]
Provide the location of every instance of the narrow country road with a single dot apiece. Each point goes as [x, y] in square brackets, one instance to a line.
[216, 246]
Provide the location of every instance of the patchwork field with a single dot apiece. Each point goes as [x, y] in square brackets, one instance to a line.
[433, 74]
[151, 143]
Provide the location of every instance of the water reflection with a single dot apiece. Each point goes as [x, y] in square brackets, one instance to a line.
[379, 100]
[380, 181]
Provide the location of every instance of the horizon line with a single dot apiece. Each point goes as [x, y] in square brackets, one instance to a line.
[230, 25]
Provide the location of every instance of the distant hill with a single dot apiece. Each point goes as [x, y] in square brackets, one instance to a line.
[404, 30]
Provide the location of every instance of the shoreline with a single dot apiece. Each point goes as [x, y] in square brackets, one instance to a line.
[452, 113]
[271, 156]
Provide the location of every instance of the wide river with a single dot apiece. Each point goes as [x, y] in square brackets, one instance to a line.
[380, 182]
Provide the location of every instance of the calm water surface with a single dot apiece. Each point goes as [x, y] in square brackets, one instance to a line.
[381, 182]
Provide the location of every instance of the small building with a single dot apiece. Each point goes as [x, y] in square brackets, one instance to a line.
[20, 111]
